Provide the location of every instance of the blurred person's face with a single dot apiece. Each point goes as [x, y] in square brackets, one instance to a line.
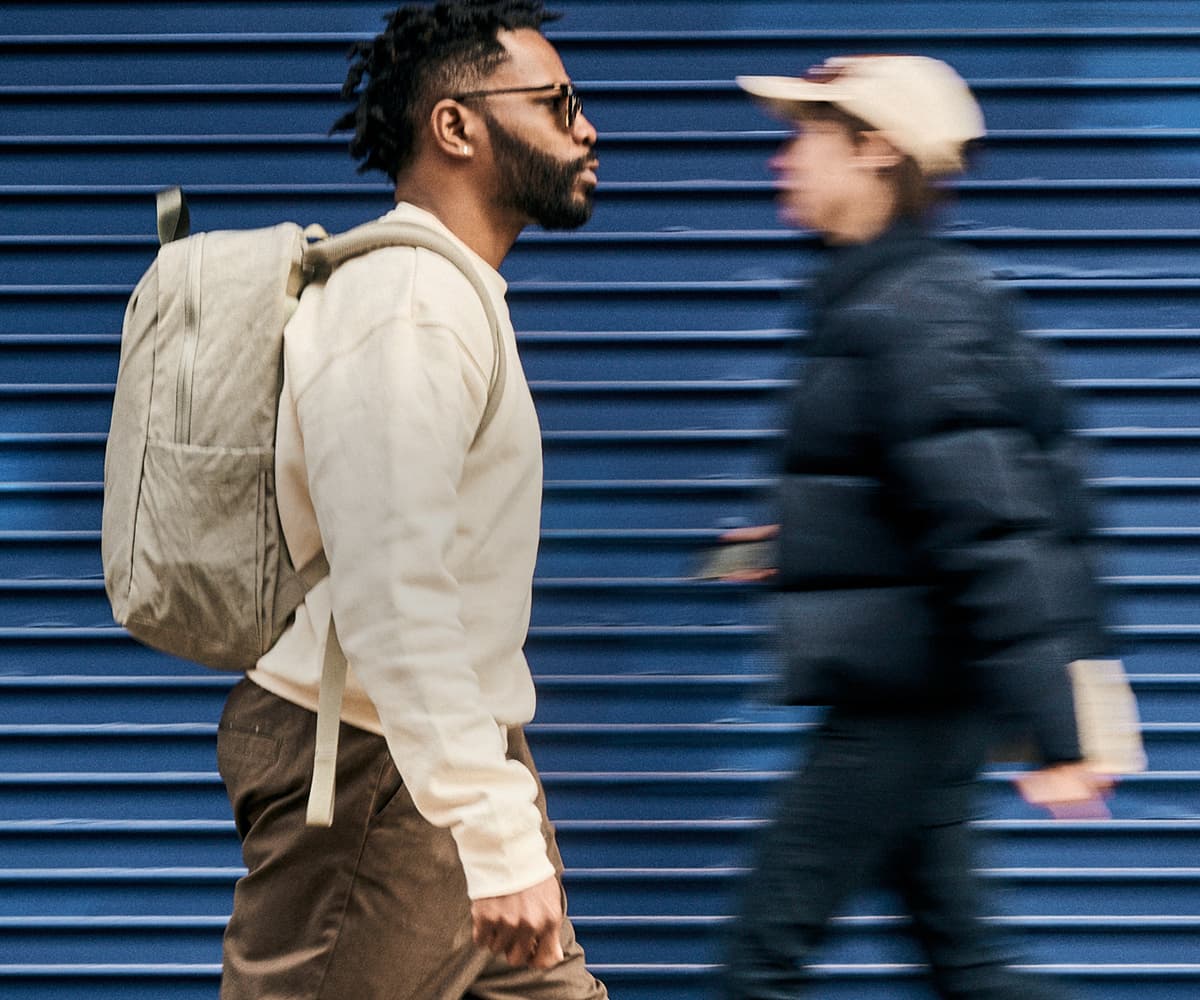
[829, 179]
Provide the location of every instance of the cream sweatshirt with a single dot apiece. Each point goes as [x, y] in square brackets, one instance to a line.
[431, 537]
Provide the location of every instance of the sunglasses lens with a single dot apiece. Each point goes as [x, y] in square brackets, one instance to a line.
[570, 104]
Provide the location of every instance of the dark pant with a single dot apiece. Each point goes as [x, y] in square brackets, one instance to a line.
[374, 907]
[881, 800]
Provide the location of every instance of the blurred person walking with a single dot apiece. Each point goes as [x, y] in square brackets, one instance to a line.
[933, 573]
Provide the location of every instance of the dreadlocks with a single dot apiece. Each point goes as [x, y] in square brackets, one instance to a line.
[426, 53]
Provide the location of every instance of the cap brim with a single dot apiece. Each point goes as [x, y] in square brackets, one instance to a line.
[783, 95]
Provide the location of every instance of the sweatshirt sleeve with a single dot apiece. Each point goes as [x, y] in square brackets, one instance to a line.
[979, 496]
[387, 423]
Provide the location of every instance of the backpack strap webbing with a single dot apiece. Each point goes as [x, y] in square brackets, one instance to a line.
[322, 256]
[320, 259]
[329, 719]
[174, 219]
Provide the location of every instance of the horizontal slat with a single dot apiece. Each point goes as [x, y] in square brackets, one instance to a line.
[1125, 501]
[659, 553]
[613, 601]
[641, 405]
[100, 19]
[635, 940]
[92, 699]
[738, 153]
[741, 454]
[573, 795]
[700, 354]
[635, 982]
[568, 650]
[876, 939]
[607, 843]
[1144, 202]
[49, 652]
[651, 553]
[190, 747]
[633, 306]
[755, 746]
[187, 891]
[96, 22]
[113, 264]
[251, 107]
[119, 940]
[1115, 52]
[557, 602]
[650, 891]
[154, 796]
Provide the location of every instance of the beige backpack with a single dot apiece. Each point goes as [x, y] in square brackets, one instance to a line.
[195, 563]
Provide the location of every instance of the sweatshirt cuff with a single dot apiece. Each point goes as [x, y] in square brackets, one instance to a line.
[500, 867]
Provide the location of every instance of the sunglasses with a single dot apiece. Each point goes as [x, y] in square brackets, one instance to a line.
[565, 92]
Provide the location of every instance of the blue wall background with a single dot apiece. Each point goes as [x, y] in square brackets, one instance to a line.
[657, 341]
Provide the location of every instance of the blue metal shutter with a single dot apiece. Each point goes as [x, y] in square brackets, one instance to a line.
[657, 340]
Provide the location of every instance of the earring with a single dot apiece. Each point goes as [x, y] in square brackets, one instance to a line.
[466, 150]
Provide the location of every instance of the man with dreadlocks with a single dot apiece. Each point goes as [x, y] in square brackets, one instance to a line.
[439, 877]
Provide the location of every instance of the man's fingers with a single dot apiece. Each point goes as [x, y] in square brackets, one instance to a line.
[548, 952]
[528, 950]
[495, 938]
[524, 927]
[520, 952]
[514, 943]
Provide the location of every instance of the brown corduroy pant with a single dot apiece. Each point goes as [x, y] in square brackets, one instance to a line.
[374, 907]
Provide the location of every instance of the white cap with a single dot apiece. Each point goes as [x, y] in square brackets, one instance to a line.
[922, 106]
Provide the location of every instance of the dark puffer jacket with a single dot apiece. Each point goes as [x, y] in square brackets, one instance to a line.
[934, 529]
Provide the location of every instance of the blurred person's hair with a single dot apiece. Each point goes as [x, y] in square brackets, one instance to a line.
[426, 53]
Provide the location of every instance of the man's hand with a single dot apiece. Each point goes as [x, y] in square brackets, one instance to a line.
[524, 927]
[1068, 791]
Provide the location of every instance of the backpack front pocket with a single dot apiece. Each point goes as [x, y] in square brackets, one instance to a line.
[197, 589]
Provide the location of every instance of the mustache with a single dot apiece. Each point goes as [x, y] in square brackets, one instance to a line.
[585, 162]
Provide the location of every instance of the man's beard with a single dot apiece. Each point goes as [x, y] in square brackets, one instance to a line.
[536, 184]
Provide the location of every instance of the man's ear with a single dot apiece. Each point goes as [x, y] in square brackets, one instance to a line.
[877, 152]
[452, 129]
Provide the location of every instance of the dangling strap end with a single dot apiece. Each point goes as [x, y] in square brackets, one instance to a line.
[320, 796]
[329, 710]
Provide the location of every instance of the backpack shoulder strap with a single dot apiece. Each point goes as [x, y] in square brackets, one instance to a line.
[320, 259]
[323, 256]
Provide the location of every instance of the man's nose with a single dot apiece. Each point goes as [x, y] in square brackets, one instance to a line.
[583, 131]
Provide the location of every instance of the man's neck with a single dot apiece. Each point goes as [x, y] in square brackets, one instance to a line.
[461, 210]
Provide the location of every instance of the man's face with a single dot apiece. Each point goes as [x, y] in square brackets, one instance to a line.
[545, 170]
[551, 192]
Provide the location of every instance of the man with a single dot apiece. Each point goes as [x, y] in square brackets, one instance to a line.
[933, 571]
[439, 876]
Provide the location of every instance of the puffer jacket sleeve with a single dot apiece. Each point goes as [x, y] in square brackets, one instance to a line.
[969, 426]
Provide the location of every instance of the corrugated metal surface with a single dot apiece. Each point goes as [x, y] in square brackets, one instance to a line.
[657, 341]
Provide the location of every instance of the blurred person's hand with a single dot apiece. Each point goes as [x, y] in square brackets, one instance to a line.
[1068, 791]
[749, 535]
